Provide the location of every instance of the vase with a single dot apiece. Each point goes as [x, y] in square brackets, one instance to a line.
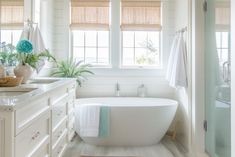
[24, 71]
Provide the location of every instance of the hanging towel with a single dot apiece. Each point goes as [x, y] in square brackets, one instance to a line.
[27, 33]
[37, 41]
[33, 34]
[171, 57]
[177, 70]
[87, 119]
[104, 121]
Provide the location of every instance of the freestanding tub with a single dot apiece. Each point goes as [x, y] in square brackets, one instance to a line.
[134, 121]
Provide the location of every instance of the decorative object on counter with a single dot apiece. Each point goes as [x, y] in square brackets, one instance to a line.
[24, 49]
[10, 81]
[72, 69]
[29, 61]
[8, 57]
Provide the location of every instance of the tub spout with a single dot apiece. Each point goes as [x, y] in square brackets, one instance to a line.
[117, 90]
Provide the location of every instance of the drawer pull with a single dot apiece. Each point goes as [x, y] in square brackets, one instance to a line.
[36, 135]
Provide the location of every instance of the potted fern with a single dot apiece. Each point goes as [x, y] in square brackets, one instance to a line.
[72, 69]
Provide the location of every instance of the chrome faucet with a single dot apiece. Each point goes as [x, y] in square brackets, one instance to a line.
[117, 90]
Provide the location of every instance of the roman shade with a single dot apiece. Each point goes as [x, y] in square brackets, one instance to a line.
[12, 14]
[140, 15]
[222, 16]
[89, 14]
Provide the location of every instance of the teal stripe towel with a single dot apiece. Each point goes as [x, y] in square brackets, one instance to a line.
[104, 121]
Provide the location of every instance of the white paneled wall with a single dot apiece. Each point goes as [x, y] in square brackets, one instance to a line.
[183, 114]
[61, 29]
[105, 86]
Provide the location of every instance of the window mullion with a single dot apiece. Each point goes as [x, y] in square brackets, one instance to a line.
[134, 49]
[84, 33]
[97, 48]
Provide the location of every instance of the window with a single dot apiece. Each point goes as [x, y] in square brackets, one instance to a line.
[141, 48]
[141, 33]
[222, 20]
[11, 20]
[222, 41]
[90, 31]
[91, 46]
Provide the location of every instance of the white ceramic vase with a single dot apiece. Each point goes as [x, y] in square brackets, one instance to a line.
[24, 71]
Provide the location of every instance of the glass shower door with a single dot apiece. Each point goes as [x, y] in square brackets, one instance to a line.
[217, 75]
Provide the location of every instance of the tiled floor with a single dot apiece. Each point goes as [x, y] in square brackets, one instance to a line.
[165, 149]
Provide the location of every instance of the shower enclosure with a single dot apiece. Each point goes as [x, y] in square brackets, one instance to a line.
[218, 78]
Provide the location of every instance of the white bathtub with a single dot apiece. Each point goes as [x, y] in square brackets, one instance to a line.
[134, 121]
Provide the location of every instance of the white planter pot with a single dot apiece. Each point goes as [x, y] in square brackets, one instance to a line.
[24, 71]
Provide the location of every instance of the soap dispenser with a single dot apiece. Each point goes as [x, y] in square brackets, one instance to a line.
[2, 71]
[141, 91]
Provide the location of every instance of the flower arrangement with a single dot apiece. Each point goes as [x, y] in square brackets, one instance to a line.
[7, 54]
[26, 56]
[24, 48]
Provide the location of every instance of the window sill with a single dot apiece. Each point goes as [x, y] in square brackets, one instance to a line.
[128, 72]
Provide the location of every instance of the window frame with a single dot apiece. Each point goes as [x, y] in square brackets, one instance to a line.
[115, 47]
[134, 66]
[109, 49]
[12, 34]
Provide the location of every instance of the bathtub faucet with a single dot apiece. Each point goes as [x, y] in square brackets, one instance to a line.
[117, 90]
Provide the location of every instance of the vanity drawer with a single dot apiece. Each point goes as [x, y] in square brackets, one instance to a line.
[58, 113]
[43, 151]
[56, 135]
[27, 114]
[58, 150]
[32, 138]
[58, 95]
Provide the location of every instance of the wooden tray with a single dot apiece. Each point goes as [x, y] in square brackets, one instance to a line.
[10, 81]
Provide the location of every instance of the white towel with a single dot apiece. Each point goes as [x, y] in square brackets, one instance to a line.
[171, 57]
[34, 36]
[87, 119]
[27, 33]
[177, 70]
[37, 41]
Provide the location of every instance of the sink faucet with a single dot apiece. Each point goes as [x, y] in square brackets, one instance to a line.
[117, 89]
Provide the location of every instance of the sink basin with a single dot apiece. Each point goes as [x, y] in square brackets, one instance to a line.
[42, 81]
[8, 92]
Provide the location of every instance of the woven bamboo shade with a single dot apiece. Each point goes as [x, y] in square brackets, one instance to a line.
[222, 16]
[92, 14]
[12, 13]
[140, 15]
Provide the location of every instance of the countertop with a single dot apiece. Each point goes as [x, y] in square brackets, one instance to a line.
[11, 103]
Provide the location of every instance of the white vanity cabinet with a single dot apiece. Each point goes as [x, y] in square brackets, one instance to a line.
[40, 126]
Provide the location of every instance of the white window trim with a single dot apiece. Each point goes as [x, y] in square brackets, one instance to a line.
[95, 66]
[160, 66]
[115, 68]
